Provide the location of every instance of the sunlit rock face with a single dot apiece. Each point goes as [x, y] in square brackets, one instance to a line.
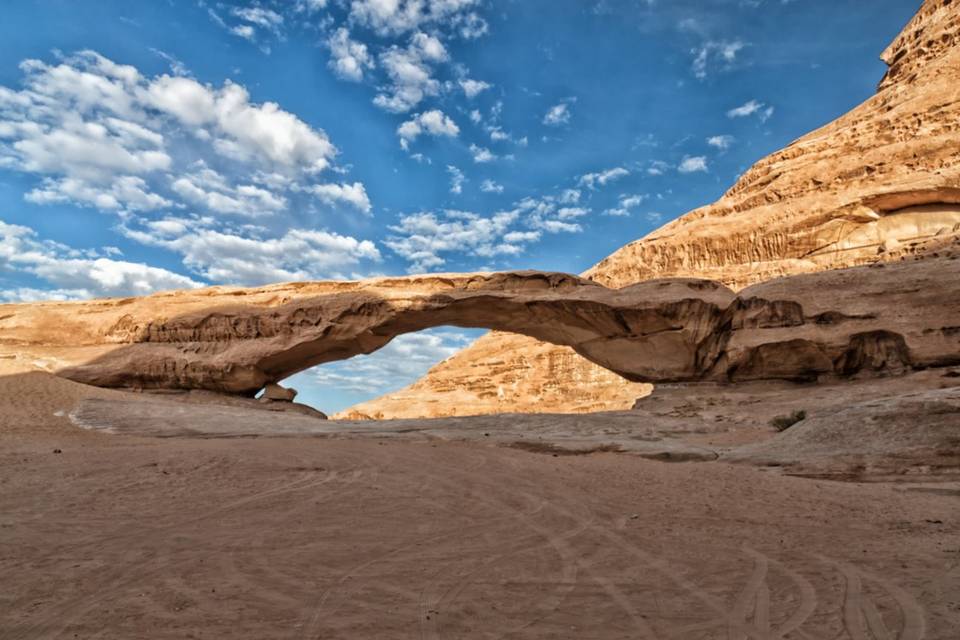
[857, 321]
[874, 185]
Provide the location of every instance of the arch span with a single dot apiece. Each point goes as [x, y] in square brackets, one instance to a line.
[237, 340]
[652, 331]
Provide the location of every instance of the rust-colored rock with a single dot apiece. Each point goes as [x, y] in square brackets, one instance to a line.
[874, 185]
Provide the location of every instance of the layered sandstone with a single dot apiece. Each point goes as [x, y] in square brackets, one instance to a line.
[878, 182]
[838, 323]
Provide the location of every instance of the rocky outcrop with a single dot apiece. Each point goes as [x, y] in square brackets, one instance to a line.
[275, 393]
[877, 184]
[838, 323]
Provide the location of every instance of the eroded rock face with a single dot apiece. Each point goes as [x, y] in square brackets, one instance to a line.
[877, 184]
[846, 322]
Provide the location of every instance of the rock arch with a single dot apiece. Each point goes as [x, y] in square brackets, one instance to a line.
[882, 319]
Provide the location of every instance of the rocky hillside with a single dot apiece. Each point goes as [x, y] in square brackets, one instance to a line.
[877, 184]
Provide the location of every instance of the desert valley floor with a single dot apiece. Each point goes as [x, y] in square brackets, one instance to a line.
[205, 528]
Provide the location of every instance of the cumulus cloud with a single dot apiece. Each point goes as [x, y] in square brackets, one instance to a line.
[410, 72]
[123, 193]
[101, 134]
[264, 18]
[391, 17]
[250, 259]
[720, 142]
[427, 239]
[349, 59]
[692, 164]
[456, 179]
[473, 88]
[77, 274]
[489, 186]
[482, 155]
[625, 204]
[602, 178]
[354, 195]
[422, 238]
[207, 188]
[544, 214]
[433, 123]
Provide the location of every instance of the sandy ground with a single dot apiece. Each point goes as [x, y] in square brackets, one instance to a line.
[115, 535]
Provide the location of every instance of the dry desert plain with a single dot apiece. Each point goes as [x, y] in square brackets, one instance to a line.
[128, 515]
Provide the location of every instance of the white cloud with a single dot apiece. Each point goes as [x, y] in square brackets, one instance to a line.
[250, 259]
[245, 31]
[543, 214]
[392, 17]
[456, 179]
[398, 363]
[657, 168]
[124, 193]
[421, 238]
[77, 274]
[411, 77]
[207, 188]
[497, 134]
[427, 239]
[567, 213]
[632, 201]
[625, 205]
[472, 26]
[473, 88]
[723, 51]
[720, 142]
[243, 131]
[434, 123]
[101, 134]
[557, 115]
[264, 18]
[692, 164]
[569, 196]
[749, 108]
[475, 116]
[489, 186]
[354, 195]
[602, 178]
[481, 154]
[348, 58]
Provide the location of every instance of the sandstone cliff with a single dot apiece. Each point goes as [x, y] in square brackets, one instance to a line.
[876, 184]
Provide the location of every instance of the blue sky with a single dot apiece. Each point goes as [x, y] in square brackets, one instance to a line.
[148, 146]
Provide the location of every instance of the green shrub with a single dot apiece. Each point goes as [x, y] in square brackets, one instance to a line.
[782, 423]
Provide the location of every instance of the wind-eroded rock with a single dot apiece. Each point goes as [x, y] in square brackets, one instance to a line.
[240, 340]
[874, 185]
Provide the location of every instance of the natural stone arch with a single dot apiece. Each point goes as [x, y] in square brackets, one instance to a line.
[651, 331]
[237, 340]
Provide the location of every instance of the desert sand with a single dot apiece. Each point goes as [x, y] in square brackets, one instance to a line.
[794, 473]
[200, 524]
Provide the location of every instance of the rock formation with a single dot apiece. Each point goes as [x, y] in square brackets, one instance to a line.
[874, 185]
[239, 341]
